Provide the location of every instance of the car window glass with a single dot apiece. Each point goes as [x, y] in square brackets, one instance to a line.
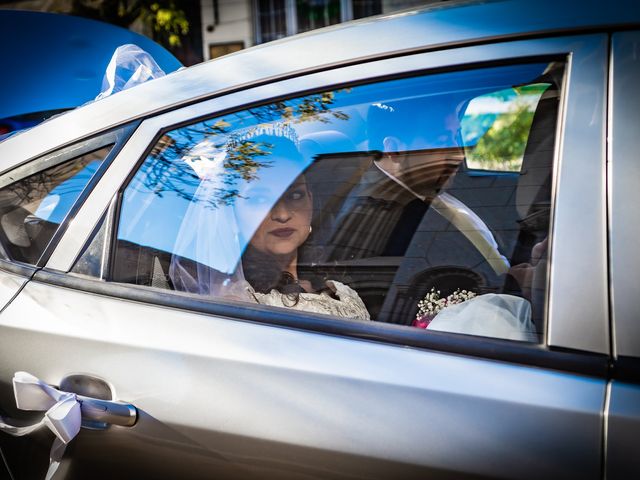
[32, 208]
[495, 127]
[420, 201]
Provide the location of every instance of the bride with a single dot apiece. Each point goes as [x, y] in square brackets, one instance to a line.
[270, 262]
[213, 257]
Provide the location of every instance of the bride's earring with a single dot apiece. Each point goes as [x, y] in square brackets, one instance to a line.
[310, 229]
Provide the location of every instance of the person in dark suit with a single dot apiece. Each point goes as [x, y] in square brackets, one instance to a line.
[414, 149]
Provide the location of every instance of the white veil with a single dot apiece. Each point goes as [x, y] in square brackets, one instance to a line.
[196, 266]
[489, 315]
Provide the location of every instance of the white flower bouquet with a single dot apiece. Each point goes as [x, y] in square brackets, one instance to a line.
[432, 304]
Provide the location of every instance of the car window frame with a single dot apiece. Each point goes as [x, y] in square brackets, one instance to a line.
[591, 340]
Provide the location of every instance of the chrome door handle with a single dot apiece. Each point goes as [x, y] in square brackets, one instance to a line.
[67, 410]
[97, 404]
[107, 411]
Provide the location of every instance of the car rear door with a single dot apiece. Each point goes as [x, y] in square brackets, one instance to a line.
[241, 391]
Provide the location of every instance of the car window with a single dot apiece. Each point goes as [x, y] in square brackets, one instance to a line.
[32, 208]
[421, 201]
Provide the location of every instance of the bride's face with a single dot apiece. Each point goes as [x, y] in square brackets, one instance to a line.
[287, 225]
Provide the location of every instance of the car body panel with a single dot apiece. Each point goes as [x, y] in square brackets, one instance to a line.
[10, 284]
[623, 427]
[249, 393]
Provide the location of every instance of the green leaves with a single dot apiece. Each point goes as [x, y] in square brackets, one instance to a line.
[502, 146]
[168, 21]
[163, 18]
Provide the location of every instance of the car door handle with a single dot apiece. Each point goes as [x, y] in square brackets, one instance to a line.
[107, 411]
[67, 410]
[97, 404]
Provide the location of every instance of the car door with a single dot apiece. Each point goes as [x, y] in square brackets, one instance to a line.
[238, 390]
[623, 414]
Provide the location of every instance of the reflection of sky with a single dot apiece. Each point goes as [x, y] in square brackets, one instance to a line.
[154, 218]
[59, 201]
[151, 218]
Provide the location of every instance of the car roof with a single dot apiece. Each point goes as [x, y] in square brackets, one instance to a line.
[433, 27]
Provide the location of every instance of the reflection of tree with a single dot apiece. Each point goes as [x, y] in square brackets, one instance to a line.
[240, 161]
[229, 138]
[503, 144]
[314, 107]
[161, 173]
[166, 170]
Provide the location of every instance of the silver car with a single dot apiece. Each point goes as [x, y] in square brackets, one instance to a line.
[403, 247]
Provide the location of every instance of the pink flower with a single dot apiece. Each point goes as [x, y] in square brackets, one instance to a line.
[423, 321]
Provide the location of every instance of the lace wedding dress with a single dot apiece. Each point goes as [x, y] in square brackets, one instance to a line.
[347, 304]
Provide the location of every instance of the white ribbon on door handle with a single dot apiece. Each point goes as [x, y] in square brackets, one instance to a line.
[62, 417]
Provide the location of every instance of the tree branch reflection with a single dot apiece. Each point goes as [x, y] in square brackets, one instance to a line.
[166, 170]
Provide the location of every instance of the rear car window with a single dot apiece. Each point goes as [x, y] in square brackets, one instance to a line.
[32, 208]
[421, 201]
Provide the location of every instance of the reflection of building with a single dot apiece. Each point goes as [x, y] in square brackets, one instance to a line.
[230, 25]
